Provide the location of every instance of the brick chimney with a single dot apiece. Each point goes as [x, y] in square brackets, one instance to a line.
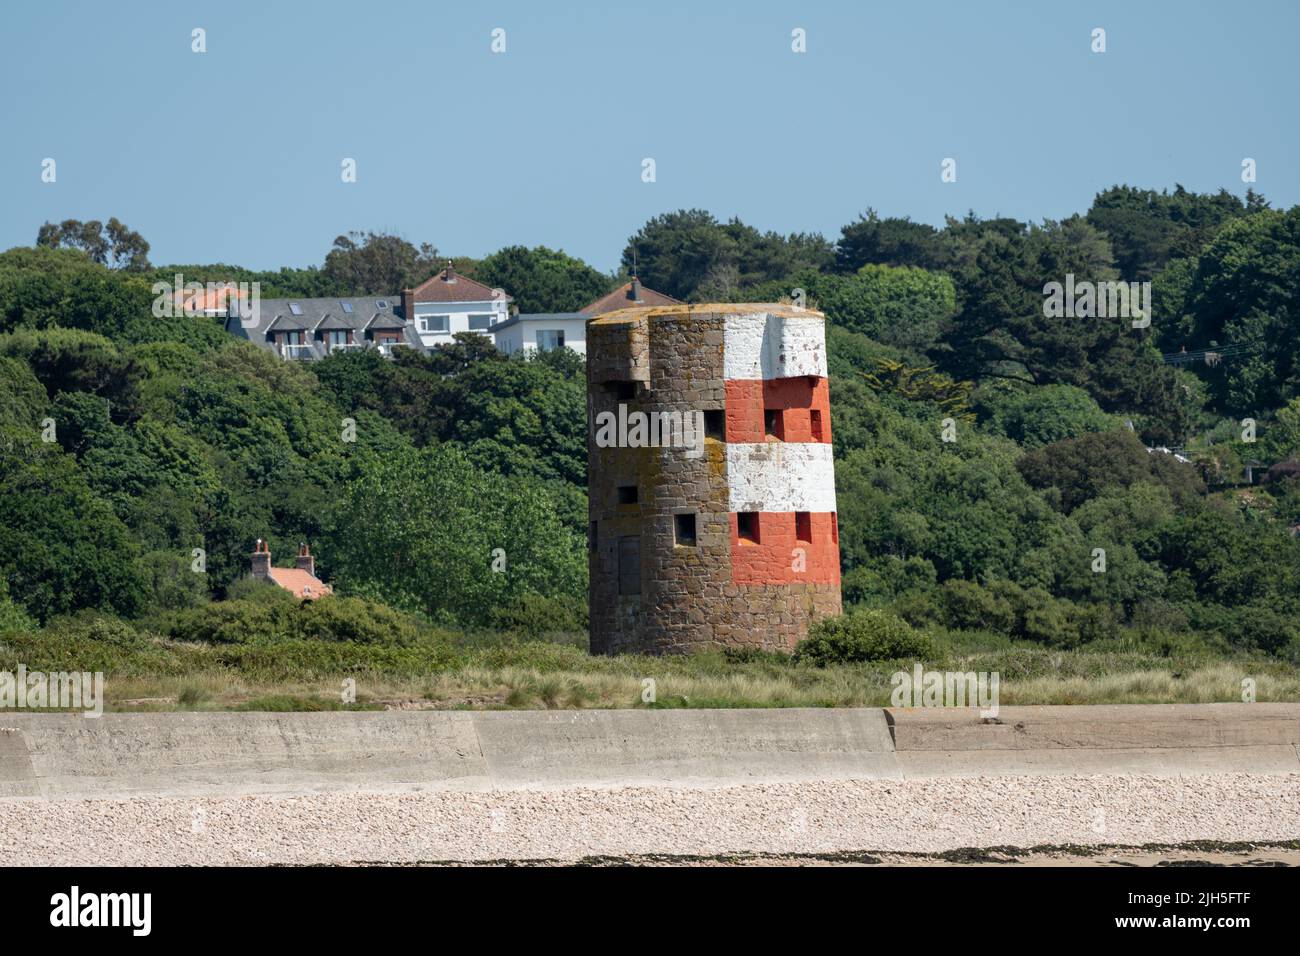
[261, 559]
[305, 561]
[634, 290]
[408, 305]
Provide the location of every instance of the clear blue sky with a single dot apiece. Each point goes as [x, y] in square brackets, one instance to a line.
[234, 155]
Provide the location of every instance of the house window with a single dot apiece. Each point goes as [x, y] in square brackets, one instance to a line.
[684, 530]
[774, 424]
[336, 337]
[629, 565]
[548, 339]
[293, 338]
[815, 417]
[747, 526]
[627, 494]
[480, 323]
[715, 424]
[435, 323]
[803, 526]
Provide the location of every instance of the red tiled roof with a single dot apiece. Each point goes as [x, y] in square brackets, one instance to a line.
[457, 288]
[301, 583]
[618, 299]
[207, 300]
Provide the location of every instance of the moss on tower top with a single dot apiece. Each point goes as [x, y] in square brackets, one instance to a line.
[784, 309]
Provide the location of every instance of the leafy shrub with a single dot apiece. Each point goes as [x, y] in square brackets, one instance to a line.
[93, 626]
[535, 614]
[271, 615]
[862, 636]
[355, 620]
[969, 607]
[88, 641]
[1049, 413]
[1046, 620]
[13, 617]
[171, 582]
[1265, 629]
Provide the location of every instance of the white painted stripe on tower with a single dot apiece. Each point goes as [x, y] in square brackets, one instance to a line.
[781, 476]
[759, 345]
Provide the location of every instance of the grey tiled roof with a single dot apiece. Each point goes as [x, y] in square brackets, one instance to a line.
[326, 314]
[317, 311]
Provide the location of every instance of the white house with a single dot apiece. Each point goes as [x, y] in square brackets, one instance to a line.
[542, 331]
[449, 303]
[569, 329]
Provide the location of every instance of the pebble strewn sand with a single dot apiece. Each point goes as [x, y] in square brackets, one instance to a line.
[568, 824]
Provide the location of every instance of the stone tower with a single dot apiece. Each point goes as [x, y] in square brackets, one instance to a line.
[711, 487]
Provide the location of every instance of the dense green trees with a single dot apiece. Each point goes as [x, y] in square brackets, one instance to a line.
[870, 240]
[1001, 329]
[427, 531]
[1076, 469]
[61, 547]
[903, 307]
[378, 264]
[542, 279]
[110, 243]
[1242, 290]
[1033, 417]
[523, 416]
[1148, 229]
[986, 453]
[691, 256]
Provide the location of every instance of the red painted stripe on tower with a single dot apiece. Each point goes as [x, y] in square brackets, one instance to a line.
[791, 547]
[801, 407]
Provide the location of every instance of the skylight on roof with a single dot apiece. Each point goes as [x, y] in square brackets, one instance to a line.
[347, 307]
[295, 308]
[382, 303]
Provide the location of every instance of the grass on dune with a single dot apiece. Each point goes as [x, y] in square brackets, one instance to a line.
[489, 671]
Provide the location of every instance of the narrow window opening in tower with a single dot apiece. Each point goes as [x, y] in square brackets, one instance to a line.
[815, 417]
[747, 526]
[803, 526]
[835, 527]
[774, 424]
[628, 494]
[715, 424]
[684, 530]
[591, 536]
